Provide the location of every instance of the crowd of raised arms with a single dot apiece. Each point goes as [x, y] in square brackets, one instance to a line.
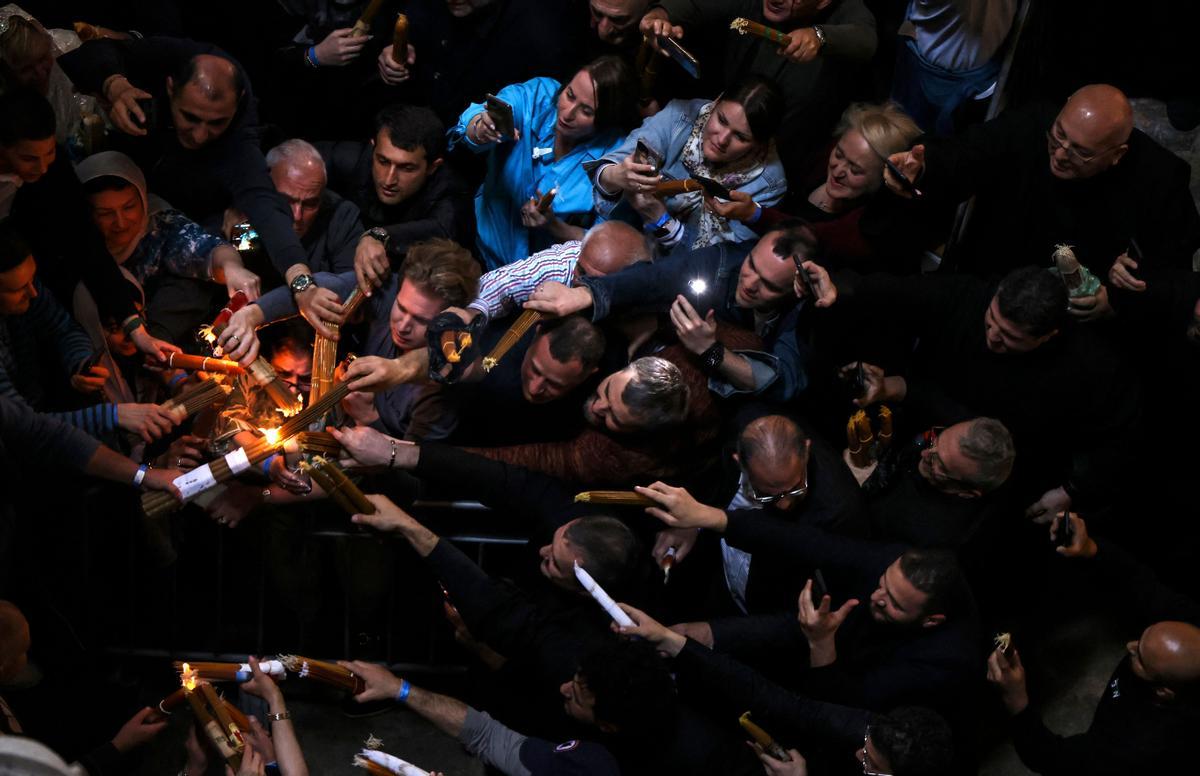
[825, 365]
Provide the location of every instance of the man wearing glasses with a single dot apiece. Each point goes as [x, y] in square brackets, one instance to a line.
[1080, 175]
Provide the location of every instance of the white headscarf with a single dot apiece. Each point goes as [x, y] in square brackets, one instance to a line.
[118, 165]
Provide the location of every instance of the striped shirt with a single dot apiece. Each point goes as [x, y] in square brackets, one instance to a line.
[506, 288]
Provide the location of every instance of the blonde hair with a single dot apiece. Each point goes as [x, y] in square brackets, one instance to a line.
[443, 268]
[22, 41]
[886, 127]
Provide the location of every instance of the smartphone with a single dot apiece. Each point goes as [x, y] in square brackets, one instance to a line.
[805, 280]
[712, 188]
[682, 56]
[502, 116]
[819, 588]
[644, 154]
[1066, 531]
[857, 380]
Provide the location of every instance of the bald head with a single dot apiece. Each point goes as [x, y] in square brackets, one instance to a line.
[1092, 131]
[773, 454]
[611, 247]
[773, 437]
[204, 99]
[1169, 653]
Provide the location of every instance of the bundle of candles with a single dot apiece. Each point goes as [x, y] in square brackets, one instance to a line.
[260, 369]
[196, 398]
[862, 442]
[326, 673]
[626, 498]
[318, 442]
[671, 188]
[363, 25]
[400, 40]
[223, 469]
[221, 723]
[383, 764]
[547, 200]
[602, 597]
[230, 672]
[769, 745]
[511, 337]
[337, 485]
[744, 26]
[1078, 279]
[203, 364]
[324, 360]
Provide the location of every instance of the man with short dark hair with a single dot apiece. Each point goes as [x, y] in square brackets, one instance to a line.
[399, 182]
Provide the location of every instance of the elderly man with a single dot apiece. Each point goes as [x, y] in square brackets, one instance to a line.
[1079, 175]
[328, 226]
[195, 131]
[615, 22]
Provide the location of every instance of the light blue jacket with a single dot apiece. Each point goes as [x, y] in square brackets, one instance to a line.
[667, 132]
[517, 170]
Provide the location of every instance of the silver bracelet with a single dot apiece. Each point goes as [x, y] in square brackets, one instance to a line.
[280, 717]
[392, 462]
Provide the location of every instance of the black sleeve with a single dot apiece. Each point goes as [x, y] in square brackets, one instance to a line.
[502, 486]
[795, 720]
[104, 760]
[1050, 754]
[342, 162]
[143, 61]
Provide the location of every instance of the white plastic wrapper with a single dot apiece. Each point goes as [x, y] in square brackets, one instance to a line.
[393, 764]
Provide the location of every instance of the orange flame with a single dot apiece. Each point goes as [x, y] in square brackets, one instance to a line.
[188, 677]
[271, 435]
[206, 333]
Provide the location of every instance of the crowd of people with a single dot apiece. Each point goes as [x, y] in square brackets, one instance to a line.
[846, 391]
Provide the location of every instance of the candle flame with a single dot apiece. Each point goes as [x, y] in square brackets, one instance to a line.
[188, 677]
[206, 333]
[271, 435]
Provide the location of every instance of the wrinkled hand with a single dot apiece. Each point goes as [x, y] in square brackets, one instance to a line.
[824, 289]
[1091, 308]
[125, 112]
[816, 620]
[911, 163]
[556, 300]
[667, 641]
[391, 73]
[1082, 545]
[340, 47]
[699, 632]
[381, 684]
[149, 421]
[371, 264]
[630, 176]
[647, 205]
[740, 206]
[804, 45]
[232, 506]
[1120, 274]
[797, 767]
[388, 517]
[366, 447]
[682, 539]
[656, 24]
[90, 381]
[695, 333]
[239, 340]
[319, 305]
[1050, 504]
[137, 731]
[163, 480]
[1008, 675]
[242, 279]
[260, 685]
[678, 509]
[186, 452]
[152, 346]
[874, 378]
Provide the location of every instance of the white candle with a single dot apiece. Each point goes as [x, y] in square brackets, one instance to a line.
[602, 598]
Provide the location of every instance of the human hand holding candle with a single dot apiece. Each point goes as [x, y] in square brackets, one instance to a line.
[802, 45]
[678, 509]
[141, 728]
[340, 47]
[380, 683]
[642, 625]
[795, 765]
[601, 596]
[762, 738]
[90, 379]
[365, 447]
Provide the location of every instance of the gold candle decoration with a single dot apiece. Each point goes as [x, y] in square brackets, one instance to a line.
[195, 398]
[229, 732]
[400, 41]
[203, 364]
[510, 338]
[237, 715]
[324, 361]
[763, 738]
[626, 498]
[884, 437]
[454, 344]
[672, 188]
[744, 26]
[223, 469]
[208, 723]
[326, 673]
[167, 706]
[363, 25]
[858, 439]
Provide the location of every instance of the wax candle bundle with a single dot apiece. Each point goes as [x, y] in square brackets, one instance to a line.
[400, 40]
[223, 469]
[217, 720]
[769, 745]
[318, 442]
[260, 370]
[510, 338]
[338, 486]
[858, 438]
[203, 364]
[326, 673]
[671, 188]
[232, 672]
[324, 361]
[195, 398]
[619, 497]
[744, 26]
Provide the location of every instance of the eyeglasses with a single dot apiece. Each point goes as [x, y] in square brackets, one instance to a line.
[937, 467]
[1054, 142]
[752, 495]
[863, 757]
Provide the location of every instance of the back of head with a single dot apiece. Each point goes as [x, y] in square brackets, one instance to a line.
[886, 127]
[611, 553]
[633, 688]
[937, 574]
[217, 77]
[13, 248]
[297, 153]
[616, 94]
[797, 239]
[445, 269]
[763, 103]
[611, 246]
[657, 395]
[915, 741]
[24, 115]
[989, 445]
[1033, 299]
[410, 127]
[574, 337]
[773, 437]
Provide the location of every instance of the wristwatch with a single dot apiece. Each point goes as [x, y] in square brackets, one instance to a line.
[378, 233]
[820, 36]
[301, 283]
[710, 359]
